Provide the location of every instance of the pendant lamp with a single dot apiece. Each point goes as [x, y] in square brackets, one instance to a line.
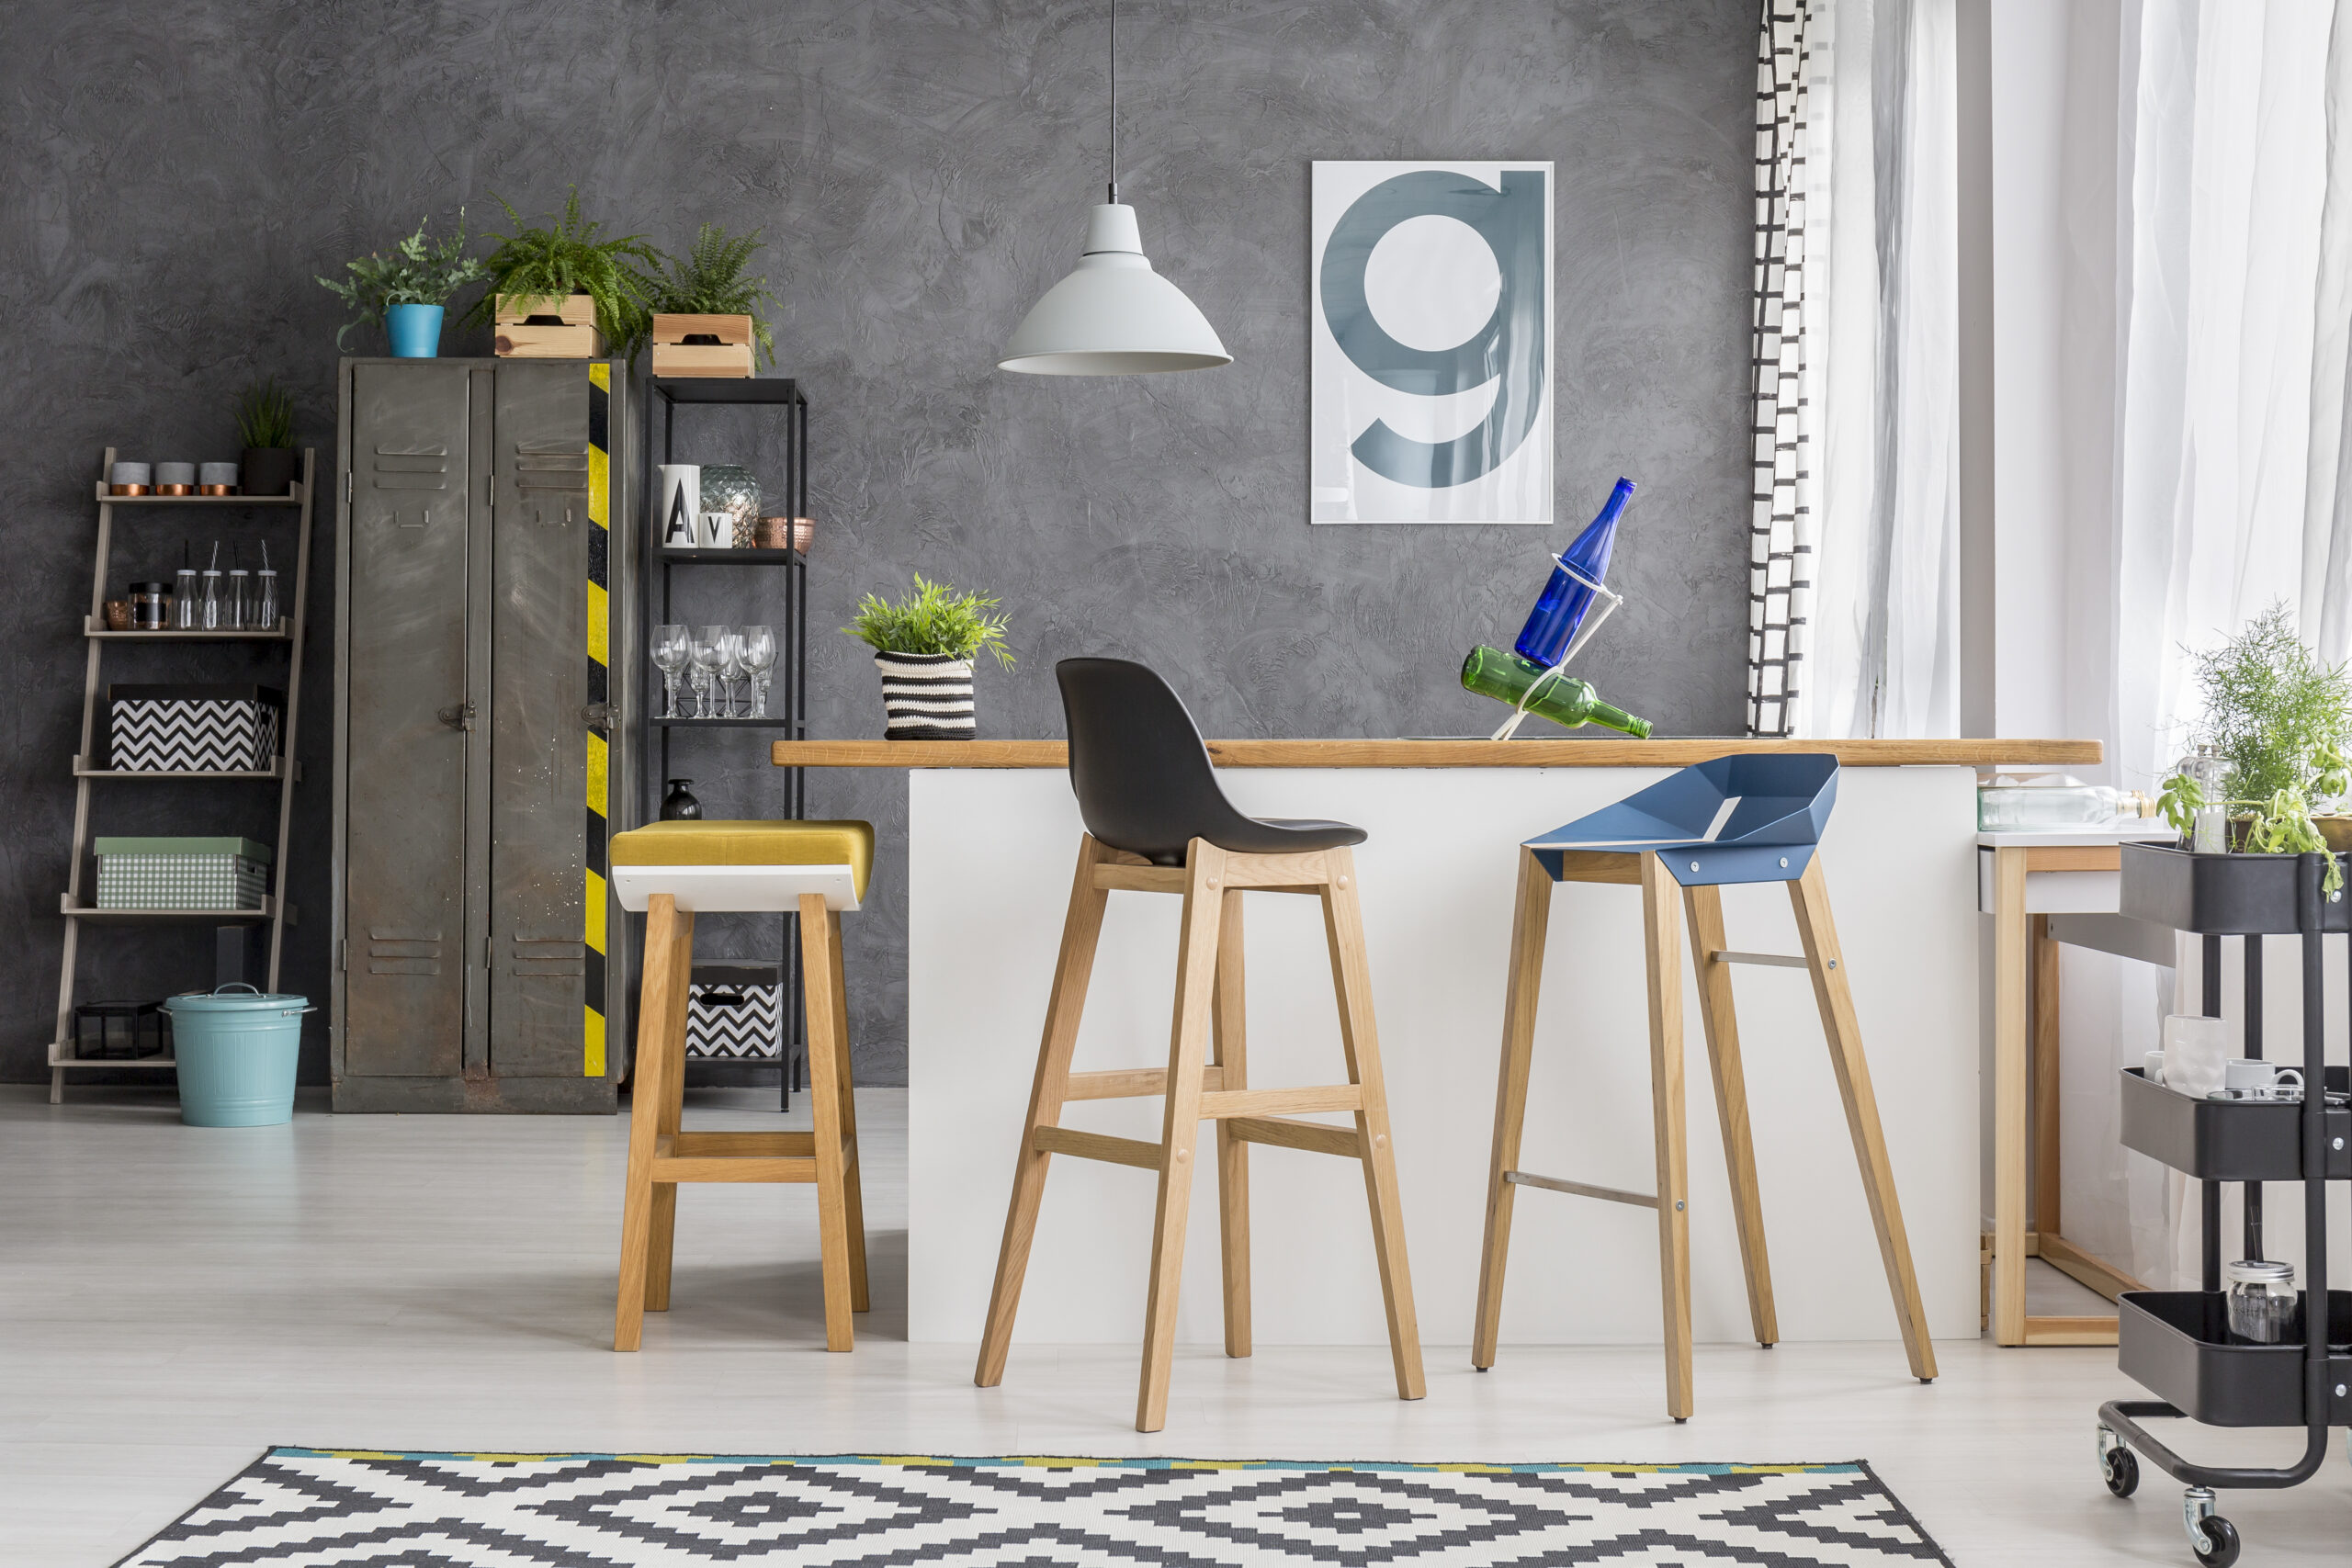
[1113, 315]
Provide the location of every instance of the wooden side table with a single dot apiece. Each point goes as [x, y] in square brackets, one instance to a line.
[2044, 889]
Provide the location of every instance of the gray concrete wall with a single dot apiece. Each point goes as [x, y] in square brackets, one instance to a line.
[177, 172]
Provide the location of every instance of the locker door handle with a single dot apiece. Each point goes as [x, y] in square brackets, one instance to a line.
[457, 716]
[597, 715]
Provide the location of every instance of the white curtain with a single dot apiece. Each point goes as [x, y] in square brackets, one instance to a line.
[1883, 200]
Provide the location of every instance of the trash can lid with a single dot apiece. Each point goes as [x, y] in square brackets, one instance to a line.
[236, 997]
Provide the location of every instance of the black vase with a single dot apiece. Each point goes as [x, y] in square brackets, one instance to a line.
[269, 470]
[680, 806]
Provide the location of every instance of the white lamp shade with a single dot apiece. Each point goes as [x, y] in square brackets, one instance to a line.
[1113, 315]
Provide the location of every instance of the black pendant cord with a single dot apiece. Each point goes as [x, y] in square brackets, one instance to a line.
[1114, 102]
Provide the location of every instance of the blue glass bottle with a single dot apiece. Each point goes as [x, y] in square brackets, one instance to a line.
[1561, 609]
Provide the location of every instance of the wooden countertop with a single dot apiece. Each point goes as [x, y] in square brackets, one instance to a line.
[1595, 753]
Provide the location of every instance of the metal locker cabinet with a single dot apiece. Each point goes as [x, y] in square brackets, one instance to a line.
[403, 629]
[504, 645]
[539, 736]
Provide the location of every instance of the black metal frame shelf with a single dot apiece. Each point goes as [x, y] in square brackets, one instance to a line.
[790, 686]
[274, 913]
[2178, 1343]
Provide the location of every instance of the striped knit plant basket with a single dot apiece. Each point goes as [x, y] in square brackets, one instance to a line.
[927, 695]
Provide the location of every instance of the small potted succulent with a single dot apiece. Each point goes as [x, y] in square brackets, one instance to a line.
[923, 645]
[706, 311]
[266, 425]
[556, 291]
[2274, 738]
[407, 291]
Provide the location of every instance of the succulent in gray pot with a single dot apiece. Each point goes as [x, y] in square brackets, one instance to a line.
[266, 425]
[924, 645]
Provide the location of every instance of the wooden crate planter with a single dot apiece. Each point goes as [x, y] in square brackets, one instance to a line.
[673, 355]
[519, 337]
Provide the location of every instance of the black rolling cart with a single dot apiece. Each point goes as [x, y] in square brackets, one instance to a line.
[2178, 1344]
[788, 697]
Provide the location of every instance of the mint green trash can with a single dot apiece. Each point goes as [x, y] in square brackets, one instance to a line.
[237, 1049]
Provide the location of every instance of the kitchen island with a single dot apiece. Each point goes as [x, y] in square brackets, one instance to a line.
[993, 829]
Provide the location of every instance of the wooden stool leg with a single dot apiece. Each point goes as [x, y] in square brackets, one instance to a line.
[1230, 1041]
[670, 1110]
[1531, 919]
[667, 932]
[1352, 979]
[1809, 895]
[1081, 928]
[1661, 945]
[852, 1190]
[1197, 966]
[816, 959]
[1704, 906]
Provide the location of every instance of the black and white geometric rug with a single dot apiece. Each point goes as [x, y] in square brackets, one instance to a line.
[348, 1508]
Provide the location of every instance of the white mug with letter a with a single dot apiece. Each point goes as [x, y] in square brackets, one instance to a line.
[681, 514]
[2197, 1054]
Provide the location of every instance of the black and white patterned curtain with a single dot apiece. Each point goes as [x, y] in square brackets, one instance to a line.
[1780, 573]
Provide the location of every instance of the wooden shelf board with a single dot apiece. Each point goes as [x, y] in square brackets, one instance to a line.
[208, 917]
[293, 500]
[71, 1060]
[81, 769]
[284, 633]
[1611, 752]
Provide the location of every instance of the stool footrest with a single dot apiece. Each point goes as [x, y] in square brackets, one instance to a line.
[1130, 1082]
[1096, 1145]
[1311, 1136]
[733, 1167]
[1778, 960]
[1581, 1188]
[1267, 1101]
[734, 1144]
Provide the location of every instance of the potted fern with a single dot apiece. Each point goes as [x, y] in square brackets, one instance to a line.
[706, 311]
[266, 425]
[407, 291]
[558, 290]
[2274, 739]
[923, 645]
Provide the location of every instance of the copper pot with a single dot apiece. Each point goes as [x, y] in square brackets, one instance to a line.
[216, 490]
[788, 533]
[126, 490]
[175, 490]
[118, 615]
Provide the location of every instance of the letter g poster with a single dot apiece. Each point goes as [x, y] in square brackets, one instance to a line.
[1431, 378]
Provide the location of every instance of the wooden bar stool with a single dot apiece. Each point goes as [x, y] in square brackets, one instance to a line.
[671, 871]
[1745, 819]
[1157, 822]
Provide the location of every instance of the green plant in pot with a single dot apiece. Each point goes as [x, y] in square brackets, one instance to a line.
[539, 272]
[923, 645]
[407, 291]
[2275, 737]
[266, 425]
[711, 280]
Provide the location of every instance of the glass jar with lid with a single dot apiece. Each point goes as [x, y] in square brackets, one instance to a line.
[2263, 1304]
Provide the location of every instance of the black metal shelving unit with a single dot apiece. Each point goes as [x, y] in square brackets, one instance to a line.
[2178, 1344]
[789, 689]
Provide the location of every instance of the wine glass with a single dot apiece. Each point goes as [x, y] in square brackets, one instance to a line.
[672, 650]
[731, 668]
[709, 647]
[759, 657]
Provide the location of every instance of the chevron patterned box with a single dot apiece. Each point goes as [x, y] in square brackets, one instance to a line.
[194, 729]
[735, 1012]
[182, 874]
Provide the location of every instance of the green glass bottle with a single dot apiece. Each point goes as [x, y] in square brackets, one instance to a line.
[1564, 699]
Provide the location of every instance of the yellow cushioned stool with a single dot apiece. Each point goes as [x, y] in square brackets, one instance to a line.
[670, 871]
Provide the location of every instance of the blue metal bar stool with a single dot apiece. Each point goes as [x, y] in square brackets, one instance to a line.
[1744, 819]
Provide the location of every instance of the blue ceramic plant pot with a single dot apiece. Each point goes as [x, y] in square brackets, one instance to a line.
[415, 331]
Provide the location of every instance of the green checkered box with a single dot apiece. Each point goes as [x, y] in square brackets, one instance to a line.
[182, 874]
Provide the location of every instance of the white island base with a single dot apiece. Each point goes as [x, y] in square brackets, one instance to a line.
[991, 852]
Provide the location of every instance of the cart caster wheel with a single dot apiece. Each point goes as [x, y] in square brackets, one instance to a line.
[2221, 1549]
[2212, 1537]
[2122, 1467]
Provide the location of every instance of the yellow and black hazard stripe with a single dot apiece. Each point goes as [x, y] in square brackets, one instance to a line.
[600, 387]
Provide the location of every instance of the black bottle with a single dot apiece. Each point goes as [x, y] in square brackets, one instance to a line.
[680, 806]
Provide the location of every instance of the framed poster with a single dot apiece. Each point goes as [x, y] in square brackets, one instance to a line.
[1430, 375]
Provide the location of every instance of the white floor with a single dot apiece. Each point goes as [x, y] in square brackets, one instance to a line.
[176, 1300]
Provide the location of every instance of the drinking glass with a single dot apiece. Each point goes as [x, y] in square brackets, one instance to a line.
[710, 654]
[672, 648]
[730, 669]
[759, 657]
